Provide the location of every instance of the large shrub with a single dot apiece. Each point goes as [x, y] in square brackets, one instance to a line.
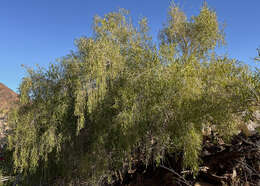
[120, 98]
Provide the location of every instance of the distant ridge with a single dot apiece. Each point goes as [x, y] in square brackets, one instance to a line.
[7, 97]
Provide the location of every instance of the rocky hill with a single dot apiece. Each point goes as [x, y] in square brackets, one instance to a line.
[8, 98]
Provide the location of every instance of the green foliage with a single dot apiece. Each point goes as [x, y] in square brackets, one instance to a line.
[194, 37]
[119, 98]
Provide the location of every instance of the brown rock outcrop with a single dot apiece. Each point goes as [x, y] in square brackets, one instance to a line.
[8, 99]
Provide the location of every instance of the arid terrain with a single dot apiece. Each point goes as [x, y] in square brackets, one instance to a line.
[7, 97]
[7, 101]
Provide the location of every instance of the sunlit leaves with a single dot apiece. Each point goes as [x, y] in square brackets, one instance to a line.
[194, 37]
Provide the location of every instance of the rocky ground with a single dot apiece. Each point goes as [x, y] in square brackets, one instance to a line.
[235, 163]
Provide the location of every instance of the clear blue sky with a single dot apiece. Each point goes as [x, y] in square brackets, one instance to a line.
[40, 31]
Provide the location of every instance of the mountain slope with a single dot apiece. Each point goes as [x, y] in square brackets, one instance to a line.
[8, 98]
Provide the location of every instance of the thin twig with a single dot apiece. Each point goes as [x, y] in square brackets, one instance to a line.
[248, 142]
[249, 167]
[204, 169]
[172, 171]
[6, 178]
